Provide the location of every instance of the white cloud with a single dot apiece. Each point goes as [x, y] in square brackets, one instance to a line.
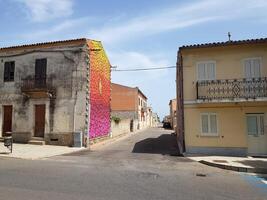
[177, 17]
[44, 10]
[65, 26]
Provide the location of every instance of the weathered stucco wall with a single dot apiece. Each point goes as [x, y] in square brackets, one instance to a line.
[120, 128]
[66, 67]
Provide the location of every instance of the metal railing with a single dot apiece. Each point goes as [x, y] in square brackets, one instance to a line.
[31, 84]
[232, 89]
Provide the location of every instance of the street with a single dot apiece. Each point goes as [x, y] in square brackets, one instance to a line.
[142, 166]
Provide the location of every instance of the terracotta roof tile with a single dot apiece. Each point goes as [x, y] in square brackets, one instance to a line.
[43, 44]
[228, 43]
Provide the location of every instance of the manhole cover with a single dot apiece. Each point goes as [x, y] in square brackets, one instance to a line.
[148, 175]
[201, 175]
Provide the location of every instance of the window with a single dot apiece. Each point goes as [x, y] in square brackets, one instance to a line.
[252, 67]
[9, 71]
[206, 70]
[255, 124]
[209, 124]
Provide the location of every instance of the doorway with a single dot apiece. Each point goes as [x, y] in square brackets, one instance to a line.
[257, 137]
[131, 125]
[39, 127]
[7, 119]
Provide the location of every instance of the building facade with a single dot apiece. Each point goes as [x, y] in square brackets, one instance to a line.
[173, 120]
[130, 103]
[51, 90]
[222, 98]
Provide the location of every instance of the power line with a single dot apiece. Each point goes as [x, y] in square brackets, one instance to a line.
[141, 69]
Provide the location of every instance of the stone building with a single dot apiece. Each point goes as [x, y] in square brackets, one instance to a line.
[50, 90]
[173, 105]
[130, 106]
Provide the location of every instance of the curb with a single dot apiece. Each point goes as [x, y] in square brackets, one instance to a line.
[235, 168]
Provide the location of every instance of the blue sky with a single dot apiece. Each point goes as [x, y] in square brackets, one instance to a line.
[135, 34]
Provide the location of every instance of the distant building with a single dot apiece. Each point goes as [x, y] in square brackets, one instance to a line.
[167, 122]
[155, 119]
[129, 103]
[222, 98]
[50, 90]
[173, 120]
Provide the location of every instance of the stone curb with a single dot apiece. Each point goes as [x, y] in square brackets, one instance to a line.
[235, 168]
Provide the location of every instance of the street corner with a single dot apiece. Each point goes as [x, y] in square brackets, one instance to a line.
[239, 164]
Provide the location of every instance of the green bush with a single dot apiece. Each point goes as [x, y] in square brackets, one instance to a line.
[116, 119]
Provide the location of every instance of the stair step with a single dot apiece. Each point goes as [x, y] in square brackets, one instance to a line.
[37, 138]
[36, 142]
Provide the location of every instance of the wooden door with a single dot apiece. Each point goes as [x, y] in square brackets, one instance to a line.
[7, 120]
[40, 72]
[39, 127]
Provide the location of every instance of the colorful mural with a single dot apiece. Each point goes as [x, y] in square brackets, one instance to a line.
[99, 90]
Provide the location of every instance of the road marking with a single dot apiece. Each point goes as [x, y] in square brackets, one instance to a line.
[265, 182]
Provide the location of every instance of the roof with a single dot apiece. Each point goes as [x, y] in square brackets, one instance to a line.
[123, 86]
[141, 92]
[134, 88]
[45, 44]
[227, 43]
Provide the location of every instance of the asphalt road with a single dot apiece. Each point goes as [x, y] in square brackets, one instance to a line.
[142, 166]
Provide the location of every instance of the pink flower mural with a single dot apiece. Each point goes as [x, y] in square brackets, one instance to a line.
[99, 94]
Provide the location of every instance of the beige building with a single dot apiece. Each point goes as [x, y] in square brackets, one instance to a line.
[222, 98]
[129, 107]
[173, 107]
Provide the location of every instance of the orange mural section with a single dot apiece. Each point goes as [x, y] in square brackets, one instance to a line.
[99, 93]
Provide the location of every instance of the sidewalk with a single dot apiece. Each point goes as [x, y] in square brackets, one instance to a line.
[32, 152]
[241, 164]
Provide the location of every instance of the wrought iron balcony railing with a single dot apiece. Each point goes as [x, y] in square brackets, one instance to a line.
[33, 84]
[232, 89]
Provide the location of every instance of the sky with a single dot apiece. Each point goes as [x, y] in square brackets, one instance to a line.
[135, 34]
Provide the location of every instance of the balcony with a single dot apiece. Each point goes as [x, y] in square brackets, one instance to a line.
[42, 87]
[231, 89]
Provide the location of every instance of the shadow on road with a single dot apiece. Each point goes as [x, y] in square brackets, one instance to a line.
[165, 144]
[254, 163]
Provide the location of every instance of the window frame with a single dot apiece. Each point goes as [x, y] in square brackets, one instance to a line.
[211, 134]
[206, 63]
[249, 59]
[8, 79]
[258, 115]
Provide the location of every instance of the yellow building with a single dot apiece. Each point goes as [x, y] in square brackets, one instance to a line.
[222, 98]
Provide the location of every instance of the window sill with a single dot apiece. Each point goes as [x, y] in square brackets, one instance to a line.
[208, 135]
